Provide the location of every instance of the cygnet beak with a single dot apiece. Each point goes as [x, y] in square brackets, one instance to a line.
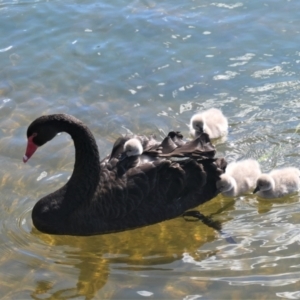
[256, 190]
[200, 130]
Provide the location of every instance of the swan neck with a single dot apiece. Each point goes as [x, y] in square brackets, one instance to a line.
[87, 158]
[86, 174]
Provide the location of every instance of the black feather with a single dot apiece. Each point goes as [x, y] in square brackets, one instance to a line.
[107, 197]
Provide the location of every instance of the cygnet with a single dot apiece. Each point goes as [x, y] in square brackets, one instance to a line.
[132, 150]
[278, 183]
[239, 178]
[133, 147]
[211, 121]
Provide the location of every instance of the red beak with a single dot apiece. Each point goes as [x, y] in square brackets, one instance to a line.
[31, 148]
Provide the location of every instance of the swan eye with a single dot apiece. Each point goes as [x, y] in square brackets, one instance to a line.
[36, 139]
[32, 136]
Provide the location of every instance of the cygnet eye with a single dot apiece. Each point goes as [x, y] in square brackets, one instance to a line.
[260, 184]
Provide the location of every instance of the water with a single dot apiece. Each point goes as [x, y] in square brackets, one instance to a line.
[146, 67]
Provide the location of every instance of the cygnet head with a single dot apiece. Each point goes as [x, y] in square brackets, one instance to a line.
[226, 183]
[264, 183]
[132, 147]
[197, 123]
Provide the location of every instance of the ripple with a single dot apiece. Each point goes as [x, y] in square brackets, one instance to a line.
[6, 49]
[268, 280]
[145, 293]
[245, 58]
[289, 295]
[289, 237]
[227, 76]
[192, 297]
[22, 239]
[223, 5]
[267, 72]
[275, 86]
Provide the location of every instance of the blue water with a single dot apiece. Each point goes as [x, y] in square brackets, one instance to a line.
[146, 67]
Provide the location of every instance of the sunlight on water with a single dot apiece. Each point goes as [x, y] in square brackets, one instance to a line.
[146, 67]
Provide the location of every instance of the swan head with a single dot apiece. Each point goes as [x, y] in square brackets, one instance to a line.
[226, 183]
[264, 183]
[41, 131]
[197, 124]
[132, 147]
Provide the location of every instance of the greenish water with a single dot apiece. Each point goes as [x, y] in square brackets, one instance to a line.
[146, 67]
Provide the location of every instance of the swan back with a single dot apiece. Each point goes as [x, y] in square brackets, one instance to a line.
[211, 121]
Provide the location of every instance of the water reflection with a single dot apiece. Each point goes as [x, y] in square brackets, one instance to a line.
[91, 259]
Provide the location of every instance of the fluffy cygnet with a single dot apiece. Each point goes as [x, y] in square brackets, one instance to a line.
[278, 183]
[133, 147]
[130, 157]
[211, 121]
[239, 177]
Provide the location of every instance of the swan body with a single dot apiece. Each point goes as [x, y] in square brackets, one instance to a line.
[278, 183]
[211, 121]
[98, 199]
[239, 177]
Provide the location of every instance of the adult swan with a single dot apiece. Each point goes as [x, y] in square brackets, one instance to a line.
[98, 200]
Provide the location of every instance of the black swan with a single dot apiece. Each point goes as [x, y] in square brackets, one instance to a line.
[97, 200]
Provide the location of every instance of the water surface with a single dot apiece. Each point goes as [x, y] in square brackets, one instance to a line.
[146, 67]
